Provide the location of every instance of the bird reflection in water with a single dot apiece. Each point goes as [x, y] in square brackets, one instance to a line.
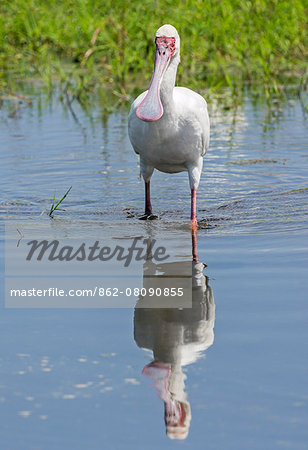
[176, 336]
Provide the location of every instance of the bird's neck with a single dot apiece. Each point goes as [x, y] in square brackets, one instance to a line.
[167, 86]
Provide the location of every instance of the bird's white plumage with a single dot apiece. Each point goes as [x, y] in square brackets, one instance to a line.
[178, 140]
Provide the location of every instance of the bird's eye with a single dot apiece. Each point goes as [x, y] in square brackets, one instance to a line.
[173, 42]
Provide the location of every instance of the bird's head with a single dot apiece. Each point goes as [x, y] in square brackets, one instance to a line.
[167, 43]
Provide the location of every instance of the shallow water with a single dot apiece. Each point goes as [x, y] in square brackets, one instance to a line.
[235, 364]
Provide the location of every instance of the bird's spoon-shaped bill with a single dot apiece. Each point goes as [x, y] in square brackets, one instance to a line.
[151, 108]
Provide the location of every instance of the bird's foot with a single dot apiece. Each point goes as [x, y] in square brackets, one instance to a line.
[194, 225]
[147, 216]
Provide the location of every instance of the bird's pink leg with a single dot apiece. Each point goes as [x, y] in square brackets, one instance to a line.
[194, 222]
[148, 206]
[194, 245]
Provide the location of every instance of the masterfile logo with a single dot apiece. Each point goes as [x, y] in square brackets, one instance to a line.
[139, 250]
[49, 266]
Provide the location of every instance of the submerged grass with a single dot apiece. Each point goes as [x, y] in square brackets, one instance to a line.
[107, 47]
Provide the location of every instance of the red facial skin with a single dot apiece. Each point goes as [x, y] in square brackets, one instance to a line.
[165, 42]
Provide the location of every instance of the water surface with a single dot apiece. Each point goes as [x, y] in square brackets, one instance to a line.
[235, 364]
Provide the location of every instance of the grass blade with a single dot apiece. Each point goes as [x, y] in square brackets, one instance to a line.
[55, 207]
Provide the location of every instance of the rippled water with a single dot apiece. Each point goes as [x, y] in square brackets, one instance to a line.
[254, 175]
[105, 378]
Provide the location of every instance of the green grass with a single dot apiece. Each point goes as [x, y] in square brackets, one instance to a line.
[55, 206]
[106, 46]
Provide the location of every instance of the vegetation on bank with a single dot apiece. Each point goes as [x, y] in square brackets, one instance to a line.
[108, 46]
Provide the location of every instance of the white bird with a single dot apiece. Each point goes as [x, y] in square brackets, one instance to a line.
[169, 126]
